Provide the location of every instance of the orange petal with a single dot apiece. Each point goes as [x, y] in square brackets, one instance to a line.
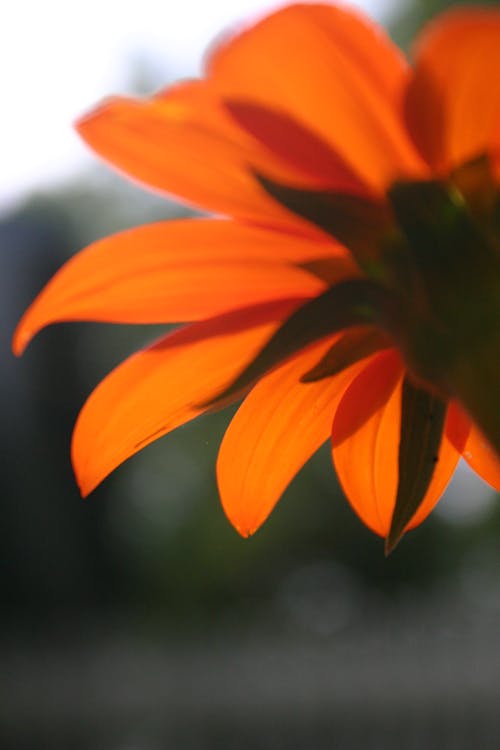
[183, 143]
[174, 271]
[331, 70]
[453, 101]
[469, 441]
[482, 458]
[367, 395]
[297, 145]
[367, 460]
[162, 387]
[281, 423]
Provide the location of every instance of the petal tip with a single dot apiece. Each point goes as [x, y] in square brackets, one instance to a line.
[90, 114]
[84, 491]
[89, 125]
[81, 122]
[245, 533]
[86, 480]
[20, 339]
[244, 530]
[240, 525]
[85, 484]
[391, 542]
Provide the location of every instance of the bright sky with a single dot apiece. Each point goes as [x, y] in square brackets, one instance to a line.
[58, 57]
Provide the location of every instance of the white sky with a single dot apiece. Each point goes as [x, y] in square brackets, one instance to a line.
[58, 57]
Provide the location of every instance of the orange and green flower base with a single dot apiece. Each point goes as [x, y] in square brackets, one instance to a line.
[348, 284]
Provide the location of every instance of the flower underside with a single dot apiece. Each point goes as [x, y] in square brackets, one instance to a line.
[415, 251]
[351, 291]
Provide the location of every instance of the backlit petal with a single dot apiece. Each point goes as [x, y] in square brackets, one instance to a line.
[333, 71]
[453, 103]
[469, 441]
[482, 458]
[367, 395]
[297, 145]
[281, 423]
[366, 460]
[183, 143]
[162, 387]
[172, 272]
[449, 457]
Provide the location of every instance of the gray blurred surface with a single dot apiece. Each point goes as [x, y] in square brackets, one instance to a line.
[404, 678]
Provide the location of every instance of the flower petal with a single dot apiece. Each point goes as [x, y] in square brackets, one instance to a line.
[449, 457]
[367, 395]
[331, 70]
[361, 224]
[350, 303]
[279, 426]
[366, 460]
[172, 272]
[183, 143]
[162, 387]
[423, 416]
[351, 346]
[453, 101]
[482, 458]
[297, 145]
[470, 442]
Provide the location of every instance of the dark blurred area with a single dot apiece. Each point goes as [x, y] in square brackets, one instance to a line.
[139, 620]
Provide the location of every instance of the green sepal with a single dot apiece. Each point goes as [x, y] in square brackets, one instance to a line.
[350, 303]
[359, 223]
[475, 180]
[354, 345]
[452, 256]
[422, 423]
[331, 270]
[450, 335]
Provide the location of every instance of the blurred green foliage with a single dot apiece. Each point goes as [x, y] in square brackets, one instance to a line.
[409, 17]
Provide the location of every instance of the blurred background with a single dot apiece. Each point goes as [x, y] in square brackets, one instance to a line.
[138, 619]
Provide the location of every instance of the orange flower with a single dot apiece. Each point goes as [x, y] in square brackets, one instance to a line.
[351, 277]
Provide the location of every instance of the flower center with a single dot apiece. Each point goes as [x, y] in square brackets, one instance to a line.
[430, 258]
[444, 265]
